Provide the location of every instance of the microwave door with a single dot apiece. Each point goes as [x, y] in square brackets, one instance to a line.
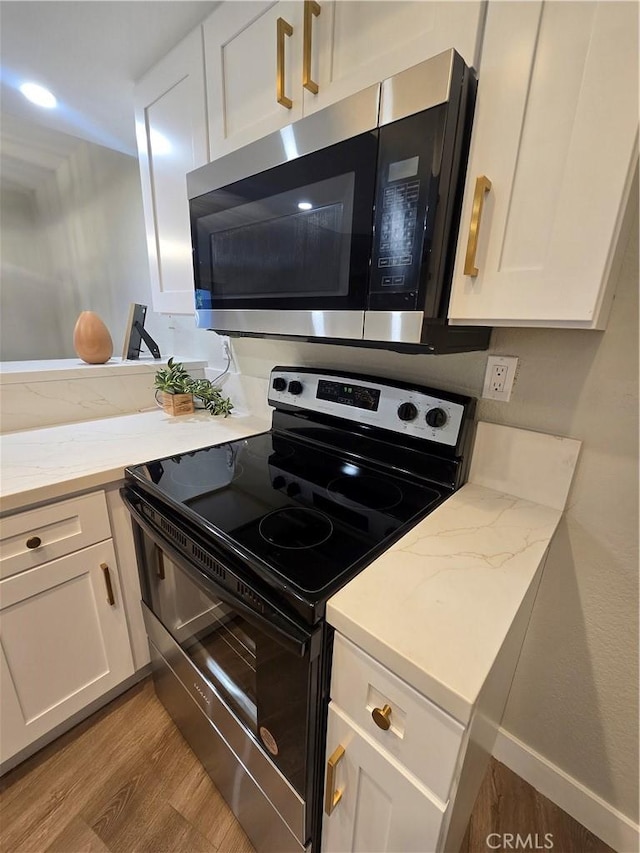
[287, 251]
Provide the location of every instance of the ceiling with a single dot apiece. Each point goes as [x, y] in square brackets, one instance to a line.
[89, 53]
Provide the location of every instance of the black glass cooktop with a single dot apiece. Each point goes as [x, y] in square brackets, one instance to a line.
[310, 513]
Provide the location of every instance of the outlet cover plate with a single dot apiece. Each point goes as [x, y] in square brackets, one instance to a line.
[499, 376]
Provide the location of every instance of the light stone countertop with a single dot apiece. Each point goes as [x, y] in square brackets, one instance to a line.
[436, 607]
[44, 464]
[54, 369]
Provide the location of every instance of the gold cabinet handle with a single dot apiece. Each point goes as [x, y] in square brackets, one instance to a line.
[483, 185]
[160, 569]
[107, 582]
[381, 717]
[331, 796]
[34, 542]
[311, 8]
[284, 29]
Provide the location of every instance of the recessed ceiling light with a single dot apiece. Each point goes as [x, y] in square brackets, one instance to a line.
[305, 205]
[38, 95]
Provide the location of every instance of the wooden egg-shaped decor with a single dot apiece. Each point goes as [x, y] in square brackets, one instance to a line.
[91, 339]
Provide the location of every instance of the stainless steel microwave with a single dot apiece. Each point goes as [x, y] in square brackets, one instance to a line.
[342, 226]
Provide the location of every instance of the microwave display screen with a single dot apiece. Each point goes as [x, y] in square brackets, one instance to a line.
[403, 169]
[349, 395]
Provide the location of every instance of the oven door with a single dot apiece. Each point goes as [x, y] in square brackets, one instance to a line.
[286, 249]
[255, 678]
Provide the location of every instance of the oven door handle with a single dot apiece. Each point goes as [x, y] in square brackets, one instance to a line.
[278, 627]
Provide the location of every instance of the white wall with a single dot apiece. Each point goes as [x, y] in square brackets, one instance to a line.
[29, 304]
[90, 212]
[78, 243]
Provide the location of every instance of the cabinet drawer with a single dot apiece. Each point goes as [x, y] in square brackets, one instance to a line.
[421, 736]
[61, 528]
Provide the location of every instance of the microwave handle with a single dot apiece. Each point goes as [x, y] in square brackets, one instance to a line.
[276, 627]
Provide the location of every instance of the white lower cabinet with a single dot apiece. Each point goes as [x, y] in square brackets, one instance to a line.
[392, 760]
[381, 807]
[64, 637]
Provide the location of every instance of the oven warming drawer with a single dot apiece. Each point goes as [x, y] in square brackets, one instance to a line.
[270, 811]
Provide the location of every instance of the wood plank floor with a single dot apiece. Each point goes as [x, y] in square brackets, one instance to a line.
[125, 781]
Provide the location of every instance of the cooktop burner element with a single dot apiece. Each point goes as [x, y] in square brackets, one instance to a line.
[296, 528]
[365, 492]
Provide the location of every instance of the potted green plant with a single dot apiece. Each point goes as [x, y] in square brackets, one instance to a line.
[178, 390]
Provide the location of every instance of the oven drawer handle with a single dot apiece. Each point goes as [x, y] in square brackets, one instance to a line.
[274, 626]
[333, 797]
[107, 582]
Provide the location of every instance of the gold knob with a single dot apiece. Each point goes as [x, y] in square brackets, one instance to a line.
[381, 717]
[34, 542]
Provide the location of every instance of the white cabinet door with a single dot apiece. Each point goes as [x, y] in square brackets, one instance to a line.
[381, 808]
[63, 644]
[171, 129]
[241, 47]
[356, 44]
[555, 132]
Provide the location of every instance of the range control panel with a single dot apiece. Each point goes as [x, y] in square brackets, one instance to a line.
[409, 411]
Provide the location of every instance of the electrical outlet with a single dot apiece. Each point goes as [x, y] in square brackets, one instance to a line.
[499, 376]
[227, 352]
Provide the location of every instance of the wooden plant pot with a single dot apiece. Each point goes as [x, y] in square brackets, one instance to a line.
[177, 404]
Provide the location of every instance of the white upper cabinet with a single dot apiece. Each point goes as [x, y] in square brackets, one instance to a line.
[328, 50]
[254, 65]
[355, 44]
[171, 130]
[556, 135]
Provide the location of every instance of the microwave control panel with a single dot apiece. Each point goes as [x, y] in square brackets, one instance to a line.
[407, 187]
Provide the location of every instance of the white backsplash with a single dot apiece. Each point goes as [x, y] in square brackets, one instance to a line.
[48, 393]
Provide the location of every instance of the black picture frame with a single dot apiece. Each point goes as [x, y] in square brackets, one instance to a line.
[135, 334]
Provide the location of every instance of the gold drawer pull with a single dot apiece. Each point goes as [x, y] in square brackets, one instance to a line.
[381, 717]
[34, 542]
[331, 796]
[283, 29]
[107, 582]
[483, 185]
[311, 8]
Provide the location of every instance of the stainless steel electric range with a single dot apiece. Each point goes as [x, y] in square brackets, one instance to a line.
[239, 547]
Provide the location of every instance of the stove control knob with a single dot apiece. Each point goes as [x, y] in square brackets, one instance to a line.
[295, 387]
[279, 482]
[279, 384]
[436, 417]
[407, 412]
[293, 489]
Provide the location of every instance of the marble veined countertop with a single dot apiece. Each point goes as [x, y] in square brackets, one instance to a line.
[49, 370]
[43, 464]
[437, 606]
